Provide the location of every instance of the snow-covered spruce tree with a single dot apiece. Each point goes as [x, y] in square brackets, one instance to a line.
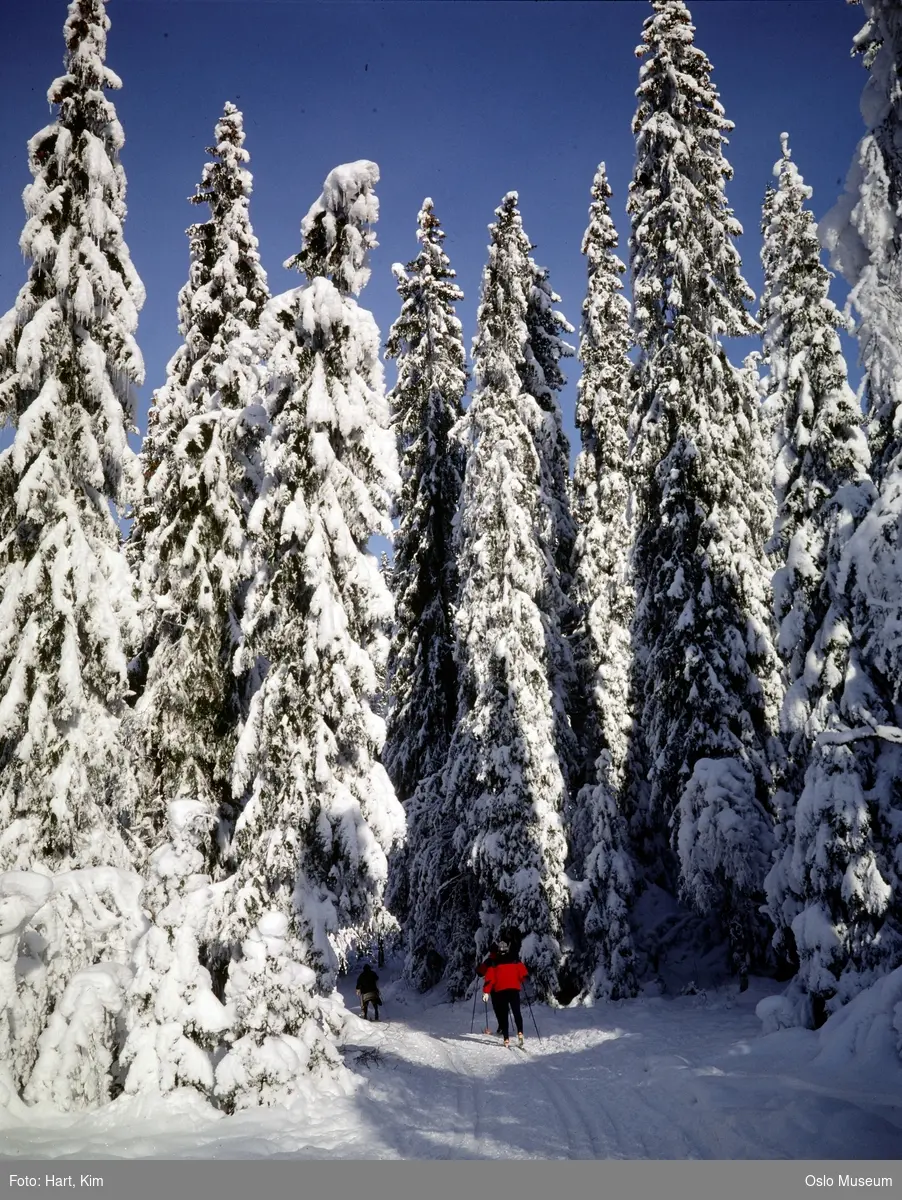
[864, 230]
[426, 403]
[427, 342]
[541, 377]
[705, 669]
[320, 815]
[91, 920]
[283, 1040]
[193, 529]
[864, 233]
[174, 1020]
[167, 416]
[504, 777]
[601, 494]
[22, 894]
[69, 367]
[781, 910]
[602, 593]
[770, 407]
[821, 481]
[76, 1065]
[825, 884]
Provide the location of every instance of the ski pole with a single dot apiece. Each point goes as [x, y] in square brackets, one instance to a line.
[531, 1013]
[473, 1018]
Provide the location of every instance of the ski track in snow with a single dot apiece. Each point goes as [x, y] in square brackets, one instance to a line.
[650, 1078]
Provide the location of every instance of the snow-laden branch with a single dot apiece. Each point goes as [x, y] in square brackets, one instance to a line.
[839, 737]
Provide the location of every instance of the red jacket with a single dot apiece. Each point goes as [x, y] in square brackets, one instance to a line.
[483, 972]
[506, 976]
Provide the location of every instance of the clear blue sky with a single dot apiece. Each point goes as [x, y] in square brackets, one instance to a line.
[455, 100]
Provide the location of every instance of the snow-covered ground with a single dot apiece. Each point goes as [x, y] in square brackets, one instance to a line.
[657, 1077]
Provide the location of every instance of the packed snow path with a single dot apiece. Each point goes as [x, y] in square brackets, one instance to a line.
[689, 1077]
[683, 1077]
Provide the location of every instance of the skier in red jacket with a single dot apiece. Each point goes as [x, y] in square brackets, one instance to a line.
[506, 978]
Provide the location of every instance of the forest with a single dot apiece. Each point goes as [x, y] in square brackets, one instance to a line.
[237, 746]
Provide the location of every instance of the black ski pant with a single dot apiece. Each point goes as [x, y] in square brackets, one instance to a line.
[496, 1007]
[508, 1002]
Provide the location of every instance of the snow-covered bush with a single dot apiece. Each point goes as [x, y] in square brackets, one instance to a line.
[610, 875]
[92, 915]
[790, 1010]
[283, 1036]
[86, 917]
[22, 893]
[845, 932]
[175, 1020]
[78, 1051]
[724, 845]
[868, 1029]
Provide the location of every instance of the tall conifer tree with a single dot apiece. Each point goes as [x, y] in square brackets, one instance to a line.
[542, 378]
[602, 591]
[864, 230]
[319, 813]
[167, 416]
[826, 885]
[427, 342]
[504, 775]
[69, 367]
[821, 481]
[705, 675]
[195, 553]
[864, 234]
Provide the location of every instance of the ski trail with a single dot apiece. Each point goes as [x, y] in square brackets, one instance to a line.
[582, 1133]
[653, 1078]
[491, 1089]
[519, 1087]
[470, 1105]
[578, 1145]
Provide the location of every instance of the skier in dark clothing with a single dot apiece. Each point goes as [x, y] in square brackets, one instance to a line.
[368, 991]
[489, 961]
[506, 978]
